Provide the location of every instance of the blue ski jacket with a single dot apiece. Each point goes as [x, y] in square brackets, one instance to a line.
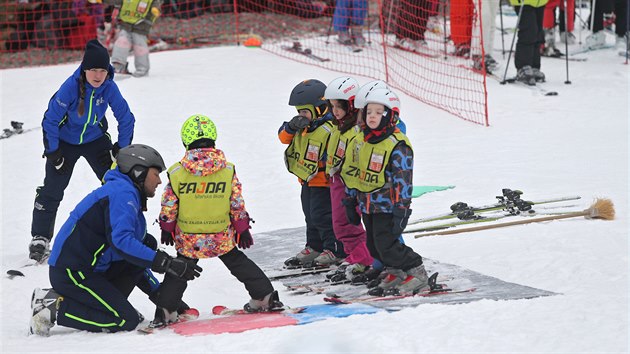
[62, 121]
[106, 226]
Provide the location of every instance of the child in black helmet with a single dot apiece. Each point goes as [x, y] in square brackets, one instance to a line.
[307, 135]
[203, 215]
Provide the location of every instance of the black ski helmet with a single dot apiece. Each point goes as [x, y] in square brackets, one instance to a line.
[136, 159]
[309, 94]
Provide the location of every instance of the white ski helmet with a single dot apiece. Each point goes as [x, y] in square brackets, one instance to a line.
[359, 101]
[384, 96]
[342, 88]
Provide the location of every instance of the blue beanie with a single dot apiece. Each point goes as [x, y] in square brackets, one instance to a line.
[95, 56]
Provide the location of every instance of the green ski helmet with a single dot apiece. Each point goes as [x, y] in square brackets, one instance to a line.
[198, 127]
[309, 94]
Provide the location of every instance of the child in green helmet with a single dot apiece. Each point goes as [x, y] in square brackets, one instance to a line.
[203, 215]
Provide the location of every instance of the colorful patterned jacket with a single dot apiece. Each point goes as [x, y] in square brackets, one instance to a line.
[204, 162]
[397, 192]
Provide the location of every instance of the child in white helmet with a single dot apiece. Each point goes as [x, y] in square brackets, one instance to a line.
[378, 173]
[340, 94]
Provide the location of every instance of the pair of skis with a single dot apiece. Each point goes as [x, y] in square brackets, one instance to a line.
[16, 129]
[508, 199]
[435, 289]
[298, 272]
[307, 52]
[536, 88]
[193, 314]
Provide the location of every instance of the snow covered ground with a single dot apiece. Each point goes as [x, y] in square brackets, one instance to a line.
[575, 143]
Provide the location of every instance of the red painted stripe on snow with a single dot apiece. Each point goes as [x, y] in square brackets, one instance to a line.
[233, 324]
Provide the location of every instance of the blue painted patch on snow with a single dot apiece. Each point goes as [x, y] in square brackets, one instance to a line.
[315, 313]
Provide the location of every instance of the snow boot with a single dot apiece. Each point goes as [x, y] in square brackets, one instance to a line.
[526, 75]
[371, 274]
[44, 306]
[356, 33]
[270, 303]
[326, 258]
[393, 278]
[567, 37]
[595, 41]
[417, 281]
[343, 37]
[163, 318]
[539, 76]
[304, 258]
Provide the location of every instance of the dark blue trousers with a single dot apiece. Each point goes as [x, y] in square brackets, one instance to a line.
[49, 195]
[318, 214]
[97, 302]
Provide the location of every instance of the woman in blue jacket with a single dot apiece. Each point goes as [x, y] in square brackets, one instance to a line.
[103, 250]
[75, 126]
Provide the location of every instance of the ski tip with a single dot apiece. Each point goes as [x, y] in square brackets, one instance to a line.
[14, 273]
[190, 314]
[218, 310]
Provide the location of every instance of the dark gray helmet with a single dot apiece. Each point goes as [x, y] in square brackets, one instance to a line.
[138, 157]
[308, 92]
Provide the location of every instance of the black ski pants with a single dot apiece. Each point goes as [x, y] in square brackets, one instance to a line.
[49, 195]
[619, 7]
[97, 302]
[172, 289]
[318, 215]
[385, 246]
[530, 36]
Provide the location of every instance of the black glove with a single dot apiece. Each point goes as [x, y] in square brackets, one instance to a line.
[167, 238]
[178, 267]
[245, 239]
[298, 123]
[351, 210]
[400, 219]
[56, 159]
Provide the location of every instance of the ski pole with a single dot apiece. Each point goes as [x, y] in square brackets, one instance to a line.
[502, 30]
[627, 31]
[389, 17]
[367, 27]
[518, 21]
[581, 21]
[566, 41]
[445, 37]
[601, 209]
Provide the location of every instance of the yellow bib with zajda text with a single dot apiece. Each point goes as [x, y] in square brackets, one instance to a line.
[364, 166]
[337, 148]
[204, 201]
[305, 151]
